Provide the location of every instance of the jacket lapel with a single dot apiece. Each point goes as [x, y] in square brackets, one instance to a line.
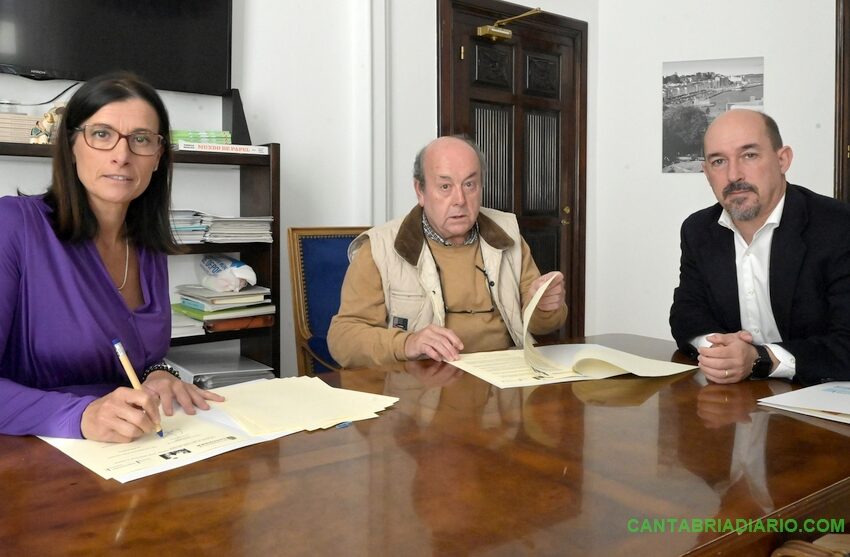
[719, 253]
[786, 258]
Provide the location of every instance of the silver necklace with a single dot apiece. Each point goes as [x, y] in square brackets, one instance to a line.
[126, 262]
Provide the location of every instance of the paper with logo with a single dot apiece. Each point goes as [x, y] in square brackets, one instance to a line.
[558, 363]
[253, 412]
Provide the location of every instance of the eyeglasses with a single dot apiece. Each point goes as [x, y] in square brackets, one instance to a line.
[105, 138]
[468, 311]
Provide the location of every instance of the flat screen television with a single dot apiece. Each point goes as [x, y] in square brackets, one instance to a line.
[175, 45]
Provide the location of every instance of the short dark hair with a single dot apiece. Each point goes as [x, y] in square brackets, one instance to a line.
[418, 162]
[772, 131]
[147, 222]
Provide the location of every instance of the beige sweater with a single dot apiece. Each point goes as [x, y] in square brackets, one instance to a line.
[359, 335]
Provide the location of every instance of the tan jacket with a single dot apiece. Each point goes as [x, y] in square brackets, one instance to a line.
[411, 285]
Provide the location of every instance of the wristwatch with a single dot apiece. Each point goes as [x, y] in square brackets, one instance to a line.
[763, 364]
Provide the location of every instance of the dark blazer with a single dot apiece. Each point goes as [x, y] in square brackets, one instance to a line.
[809, 283]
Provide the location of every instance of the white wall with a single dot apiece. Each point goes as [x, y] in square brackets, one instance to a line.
[349, 89]
[633, 242]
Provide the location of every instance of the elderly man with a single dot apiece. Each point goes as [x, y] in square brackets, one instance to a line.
[764, 288]
[450, 277]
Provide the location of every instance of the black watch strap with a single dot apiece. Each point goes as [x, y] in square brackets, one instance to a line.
[763, 364]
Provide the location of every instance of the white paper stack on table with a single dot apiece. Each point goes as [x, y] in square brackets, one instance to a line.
[830, 401]
[209, 365]
[253, 412]
[237, 229]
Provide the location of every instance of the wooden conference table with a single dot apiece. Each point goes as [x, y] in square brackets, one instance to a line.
[458, 467]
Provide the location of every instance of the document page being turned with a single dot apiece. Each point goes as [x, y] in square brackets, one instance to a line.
[558, 363]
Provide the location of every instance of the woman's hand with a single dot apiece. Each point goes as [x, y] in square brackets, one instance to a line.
[121, 416]
[169, 389]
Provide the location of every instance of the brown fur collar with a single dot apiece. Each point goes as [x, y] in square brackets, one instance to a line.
[408, 242]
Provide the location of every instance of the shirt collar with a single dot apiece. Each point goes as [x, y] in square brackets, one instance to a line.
[432, 234]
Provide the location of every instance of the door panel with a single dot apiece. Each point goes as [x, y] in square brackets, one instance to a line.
[523, 100]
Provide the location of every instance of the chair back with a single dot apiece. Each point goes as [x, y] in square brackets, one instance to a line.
[318, 260]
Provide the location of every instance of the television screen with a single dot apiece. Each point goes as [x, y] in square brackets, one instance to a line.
[174, 45]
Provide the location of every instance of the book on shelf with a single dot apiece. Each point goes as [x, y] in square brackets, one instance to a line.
[238, 323]
[206, 306]
[185, 326]
[248, 311]
[201, 136]
[221, 148]
[252, 293]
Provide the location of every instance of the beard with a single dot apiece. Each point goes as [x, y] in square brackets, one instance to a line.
[737, 206]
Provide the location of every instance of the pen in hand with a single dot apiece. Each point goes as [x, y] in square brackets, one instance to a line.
[131, 373]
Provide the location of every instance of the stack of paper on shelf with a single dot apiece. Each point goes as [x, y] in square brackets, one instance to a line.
[185, 326]
[249, 308]
[16, 128]
[186, 226]
[237, 229]
[252, 413]
[197, 297]
[209, 366]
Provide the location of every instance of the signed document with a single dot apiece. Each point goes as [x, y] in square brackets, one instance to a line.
[252, 412]
[539, 365]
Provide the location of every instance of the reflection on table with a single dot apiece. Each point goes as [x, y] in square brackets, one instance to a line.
[458, 467]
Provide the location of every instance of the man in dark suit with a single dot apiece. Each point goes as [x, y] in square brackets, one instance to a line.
[764, 287]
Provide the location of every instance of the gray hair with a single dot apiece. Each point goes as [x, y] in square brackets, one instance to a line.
[419, 172]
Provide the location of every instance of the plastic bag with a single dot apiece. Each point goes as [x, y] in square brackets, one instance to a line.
[225, 274]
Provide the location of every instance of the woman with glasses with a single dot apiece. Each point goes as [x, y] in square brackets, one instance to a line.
[85, 264]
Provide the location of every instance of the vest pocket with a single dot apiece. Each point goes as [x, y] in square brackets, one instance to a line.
[404, 309]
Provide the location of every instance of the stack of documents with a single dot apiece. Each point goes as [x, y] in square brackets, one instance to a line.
[237, 229]
[186, 226]
[17, 128]
[185, 326]
[201, 298]
[830, 401]
[209, 366]
[252, 413]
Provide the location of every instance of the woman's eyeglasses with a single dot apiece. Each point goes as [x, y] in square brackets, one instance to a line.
[105, 138]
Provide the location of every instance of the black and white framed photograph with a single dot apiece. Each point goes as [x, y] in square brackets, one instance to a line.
[694, 93]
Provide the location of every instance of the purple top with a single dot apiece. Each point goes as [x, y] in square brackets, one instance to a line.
[59, 311]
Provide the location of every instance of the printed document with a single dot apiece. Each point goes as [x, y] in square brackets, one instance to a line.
[558, 363]
[252, 412]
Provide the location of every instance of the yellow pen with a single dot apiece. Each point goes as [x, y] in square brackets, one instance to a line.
[128, 369]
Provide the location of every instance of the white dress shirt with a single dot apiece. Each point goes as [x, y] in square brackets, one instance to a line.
[752, 263]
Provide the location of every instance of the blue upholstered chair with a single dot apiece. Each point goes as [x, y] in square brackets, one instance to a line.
[318, 259]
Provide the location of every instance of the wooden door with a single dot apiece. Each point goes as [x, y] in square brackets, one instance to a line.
[523, 100]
